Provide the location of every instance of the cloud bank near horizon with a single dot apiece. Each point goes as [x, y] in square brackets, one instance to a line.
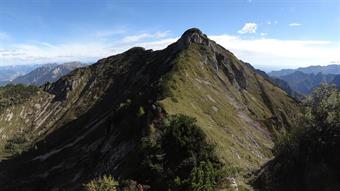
[263, 52]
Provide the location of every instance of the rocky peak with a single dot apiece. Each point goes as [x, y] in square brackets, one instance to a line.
[193, 32]
[134, 50]
[194, 35]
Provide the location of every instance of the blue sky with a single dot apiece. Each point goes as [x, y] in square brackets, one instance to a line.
[268, 34]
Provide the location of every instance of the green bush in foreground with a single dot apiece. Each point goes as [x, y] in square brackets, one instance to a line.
[319, 128]
[105, 183]
[308, 158]
[180, 158]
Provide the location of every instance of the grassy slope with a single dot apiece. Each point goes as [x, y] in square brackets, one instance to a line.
[236, 120]
[20, 114]
[221, 109]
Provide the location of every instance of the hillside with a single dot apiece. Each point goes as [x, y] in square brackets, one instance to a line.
[92, 121]
[47, 73]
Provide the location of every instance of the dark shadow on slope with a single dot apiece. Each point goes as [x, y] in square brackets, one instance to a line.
[103, 140]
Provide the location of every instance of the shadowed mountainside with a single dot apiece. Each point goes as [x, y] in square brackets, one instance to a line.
[90, 122]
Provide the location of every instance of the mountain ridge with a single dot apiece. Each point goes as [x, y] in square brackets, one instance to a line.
[91, 121]
[46, 73]
[304, 83]
[8, 73]
[329, 69]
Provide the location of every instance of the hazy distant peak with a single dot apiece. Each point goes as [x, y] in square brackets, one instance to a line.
[47, 73]
[329, 69]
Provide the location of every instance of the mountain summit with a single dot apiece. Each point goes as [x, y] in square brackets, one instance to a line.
[194, 35]
[94, 120]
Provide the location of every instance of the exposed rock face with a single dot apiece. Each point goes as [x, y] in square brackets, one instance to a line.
[194, 35]
[91, 119]
[220, 60]
[233, 184]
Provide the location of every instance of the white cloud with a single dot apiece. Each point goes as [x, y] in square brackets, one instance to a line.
[157, 45]
[269, 22]
[295, 24]
[43, 52]
[248, 28]
[263, 34]
[267, 53]
[139, 37]
[264, 53]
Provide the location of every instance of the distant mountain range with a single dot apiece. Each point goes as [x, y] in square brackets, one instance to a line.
[8, 73]
[45, 73]
[282, 84]
[329, 69]
[304, 80]
[336, 81]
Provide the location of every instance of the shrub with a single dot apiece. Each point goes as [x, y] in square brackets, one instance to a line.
[140, 111]
[319, 127]
[308, 157]
[105, 183]
[15, 146]
[15, 94]
[179, 157]
[204, 177]
[19, 142]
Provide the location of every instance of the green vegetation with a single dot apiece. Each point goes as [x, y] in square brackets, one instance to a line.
[15, 146]
[140, 111]
[15, 94]
[308, 158]
[92, 122]
[180, 158]
[318, 126]
[203, 177]
[20, 142]
[227, 115]
[11, 95]
[105, 183]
